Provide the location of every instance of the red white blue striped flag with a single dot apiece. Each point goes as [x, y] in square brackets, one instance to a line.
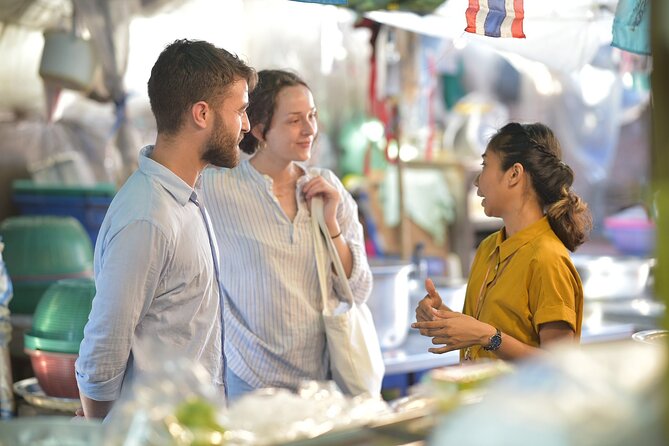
[496, 18]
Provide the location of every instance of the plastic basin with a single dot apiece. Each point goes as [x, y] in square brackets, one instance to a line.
[60, 317]
[55, 372]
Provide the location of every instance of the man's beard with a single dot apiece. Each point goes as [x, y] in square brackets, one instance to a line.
[222, 148]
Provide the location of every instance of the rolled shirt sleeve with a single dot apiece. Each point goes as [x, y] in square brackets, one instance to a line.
[555, 294]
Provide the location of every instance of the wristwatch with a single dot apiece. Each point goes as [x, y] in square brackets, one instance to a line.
[495, 342]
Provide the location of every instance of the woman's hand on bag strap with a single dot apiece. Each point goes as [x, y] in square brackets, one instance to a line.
[322, 187]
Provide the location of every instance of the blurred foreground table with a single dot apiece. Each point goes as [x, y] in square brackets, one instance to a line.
[406, 364]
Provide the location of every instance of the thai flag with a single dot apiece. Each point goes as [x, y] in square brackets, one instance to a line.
[496, 18]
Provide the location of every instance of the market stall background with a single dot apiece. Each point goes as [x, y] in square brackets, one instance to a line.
[566, 74]
[406, 101]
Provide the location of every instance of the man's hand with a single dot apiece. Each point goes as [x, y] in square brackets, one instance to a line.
[79, 414]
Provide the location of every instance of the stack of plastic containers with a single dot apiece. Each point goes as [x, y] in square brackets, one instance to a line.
[88, 204]
[57, 330]
[40, 251]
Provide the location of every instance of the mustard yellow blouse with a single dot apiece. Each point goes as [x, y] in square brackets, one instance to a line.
[531, 280]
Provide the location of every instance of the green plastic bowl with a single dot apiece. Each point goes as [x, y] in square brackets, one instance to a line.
[42, 248]
[60, 316]
[32, 342]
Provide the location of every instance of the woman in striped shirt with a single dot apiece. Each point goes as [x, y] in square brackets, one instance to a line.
[274, 335]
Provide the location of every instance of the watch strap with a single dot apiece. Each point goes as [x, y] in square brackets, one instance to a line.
[495, 341]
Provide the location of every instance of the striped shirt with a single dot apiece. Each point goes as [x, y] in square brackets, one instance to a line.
[274, 335]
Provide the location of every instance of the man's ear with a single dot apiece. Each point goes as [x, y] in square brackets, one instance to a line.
[257, 132]
[200, 113]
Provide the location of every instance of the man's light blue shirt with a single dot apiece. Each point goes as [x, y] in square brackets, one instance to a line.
[155, 283]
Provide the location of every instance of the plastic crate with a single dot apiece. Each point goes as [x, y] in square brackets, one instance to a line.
[87, 204]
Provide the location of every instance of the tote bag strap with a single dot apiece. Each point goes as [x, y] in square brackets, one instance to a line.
[318, 222]
[320, 254]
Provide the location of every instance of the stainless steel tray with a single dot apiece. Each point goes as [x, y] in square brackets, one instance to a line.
[30, 391]
[657, 337]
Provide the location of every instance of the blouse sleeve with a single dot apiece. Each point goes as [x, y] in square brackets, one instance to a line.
[554, 292]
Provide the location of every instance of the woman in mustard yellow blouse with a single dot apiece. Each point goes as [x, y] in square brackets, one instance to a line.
[523, 291]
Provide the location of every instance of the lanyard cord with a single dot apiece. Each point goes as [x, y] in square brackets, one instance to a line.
[499, 269]
[483, 292]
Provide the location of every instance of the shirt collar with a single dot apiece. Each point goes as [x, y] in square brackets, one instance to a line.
[266, 180]
[246, 167]
[520, 238]
[177, 187]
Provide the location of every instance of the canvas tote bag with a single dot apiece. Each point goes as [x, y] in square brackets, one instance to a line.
[356, 362]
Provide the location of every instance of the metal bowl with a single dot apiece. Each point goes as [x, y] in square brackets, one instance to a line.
[30, 391]
[657, 337]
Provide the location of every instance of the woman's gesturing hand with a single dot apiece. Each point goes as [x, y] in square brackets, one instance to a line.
[453, 330]
[432, 301]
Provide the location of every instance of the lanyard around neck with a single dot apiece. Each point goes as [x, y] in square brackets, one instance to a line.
[497, 268]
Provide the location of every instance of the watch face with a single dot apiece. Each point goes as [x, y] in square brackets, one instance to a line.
[495, 342]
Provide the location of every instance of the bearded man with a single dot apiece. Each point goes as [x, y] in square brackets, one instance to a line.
[155, 258]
